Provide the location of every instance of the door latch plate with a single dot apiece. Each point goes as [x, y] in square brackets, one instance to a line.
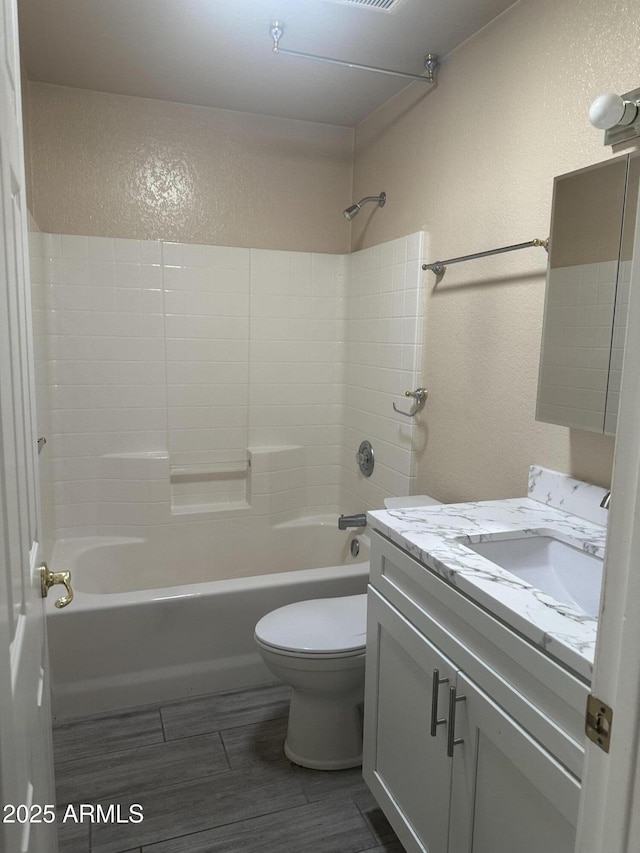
[598, 723]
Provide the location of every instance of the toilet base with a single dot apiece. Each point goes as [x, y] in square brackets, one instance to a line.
[325, 732]
[337, 764]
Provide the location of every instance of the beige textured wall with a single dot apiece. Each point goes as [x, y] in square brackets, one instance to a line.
[472, 162]
[118, 166]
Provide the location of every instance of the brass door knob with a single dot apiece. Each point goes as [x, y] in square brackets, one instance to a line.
[49, 579]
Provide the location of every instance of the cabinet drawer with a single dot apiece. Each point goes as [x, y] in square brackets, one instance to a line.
[545, 698]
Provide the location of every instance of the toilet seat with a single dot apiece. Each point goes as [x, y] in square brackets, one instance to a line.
[328, 627]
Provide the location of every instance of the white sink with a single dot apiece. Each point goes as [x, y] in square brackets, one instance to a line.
[569, 575]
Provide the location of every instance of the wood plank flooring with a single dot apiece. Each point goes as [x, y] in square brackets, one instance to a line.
[211, 777]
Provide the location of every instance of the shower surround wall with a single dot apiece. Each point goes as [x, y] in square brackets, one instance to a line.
[384, 322]
[185, 383]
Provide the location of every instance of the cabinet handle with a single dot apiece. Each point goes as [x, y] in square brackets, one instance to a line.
[435, 722]
[452, 740]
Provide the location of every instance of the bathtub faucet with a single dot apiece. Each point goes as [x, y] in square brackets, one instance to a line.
[345, 521]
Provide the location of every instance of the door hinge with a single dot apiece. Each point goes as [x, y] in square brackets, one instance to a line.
[598, 722]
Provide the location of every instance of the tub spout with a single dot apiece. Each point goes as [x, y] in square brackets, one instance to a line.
[359, 520]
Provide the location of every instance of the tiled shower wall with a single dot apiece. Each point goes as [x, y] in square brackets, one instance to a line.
[384, 310]
[182, 383]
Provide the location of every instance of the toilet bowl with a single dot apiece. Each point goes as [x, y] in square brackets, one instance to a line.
[318, 648]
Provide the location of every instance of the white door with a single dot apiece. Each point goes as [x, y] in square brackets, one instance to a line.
[26, 765]
[610, 807]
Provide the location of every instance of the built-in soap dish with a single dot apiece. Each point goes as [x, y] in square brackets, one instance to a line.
[209, 486]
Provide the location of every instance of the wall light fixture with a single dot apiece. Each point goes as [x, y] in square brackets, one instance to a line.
[617, 115]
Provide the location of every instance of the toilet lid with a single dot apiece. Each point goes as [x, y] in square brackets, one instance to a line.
[320, 625]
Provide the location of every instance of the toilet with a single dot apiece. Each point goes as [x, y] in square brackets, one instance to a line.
[318, 647]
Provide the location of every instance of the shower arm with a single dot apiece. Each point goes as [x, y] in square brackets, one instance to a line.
[430, 63]
[379, 198]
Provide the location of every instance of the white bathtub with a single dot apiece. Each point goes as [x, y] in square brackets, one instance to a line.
[159, 619]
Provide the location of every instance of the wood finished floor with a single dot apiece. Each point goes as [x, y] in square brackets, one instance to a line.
[211, 777]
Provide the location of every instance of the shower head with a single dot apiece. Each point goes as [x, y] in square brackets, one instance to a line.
[351, 211]
[354, 209]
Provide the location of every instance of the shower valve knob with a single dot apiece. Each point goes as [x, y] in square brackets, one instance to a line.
[364, 458]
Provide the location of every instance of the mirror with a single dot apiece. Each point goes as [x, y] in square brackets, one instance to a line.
[588, 276]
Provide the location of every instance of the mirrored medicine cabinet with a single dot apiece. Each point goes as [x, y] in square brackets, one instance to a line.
[585, 315]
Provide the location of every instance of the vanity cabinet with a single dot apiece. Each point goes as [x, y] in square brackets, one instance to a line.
[467, 748]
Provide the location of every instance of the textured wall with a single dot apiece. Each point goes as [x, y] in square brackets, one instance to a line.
[472, 162]
[115, 166]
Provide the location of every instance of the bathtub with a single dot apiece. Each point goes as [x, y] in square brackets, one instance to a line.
[173, 615]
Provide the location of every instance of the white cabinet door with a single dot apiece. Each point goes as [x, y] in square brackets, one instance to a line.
[406, 766]
[508, 793]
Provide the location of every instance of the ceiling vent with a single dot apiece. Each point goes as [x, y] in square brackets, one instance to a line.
[379, 5]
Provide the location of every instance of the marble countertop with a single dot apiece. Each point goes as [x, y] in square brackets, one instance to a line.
[436, 536]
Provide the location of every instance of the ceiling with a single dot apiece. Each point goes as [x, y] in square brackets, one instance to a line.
[218, 53]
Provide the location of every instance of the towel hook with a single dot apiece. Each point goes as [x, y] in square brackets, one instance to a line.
[419, 395]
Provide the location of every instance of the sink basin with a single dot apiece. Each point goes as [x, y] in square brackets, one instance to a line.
[569, 575]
